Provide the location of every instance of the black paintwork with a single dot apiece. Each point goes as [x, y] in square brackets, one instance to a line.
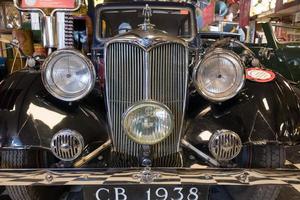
[29, 116]
[260, 112]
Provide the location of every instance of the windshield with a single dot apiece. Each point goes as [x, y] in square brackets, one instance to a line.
[176, 22]
[286, 33]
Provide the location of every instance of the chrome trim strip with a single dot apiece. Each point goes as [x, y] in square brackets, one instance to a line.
[186, 96]
[168, 176]
[85, 159]
[200, 153]
[147, 84]
[136, 40]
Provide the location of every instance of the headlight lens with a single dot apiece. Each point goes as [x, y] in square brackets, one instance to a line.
[148, 122]
[68, 75]
[220, 75]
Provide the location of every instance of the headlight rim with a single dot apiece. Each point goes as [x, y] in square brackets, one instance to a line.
[152, 102]
[61, 95]
[202, 92]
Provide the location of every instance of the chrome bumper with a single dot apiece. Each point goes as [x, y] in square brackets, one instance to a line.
[158, 176]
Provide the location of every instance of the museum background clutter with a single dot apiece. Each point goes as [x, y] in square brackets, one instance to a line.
[241, 17]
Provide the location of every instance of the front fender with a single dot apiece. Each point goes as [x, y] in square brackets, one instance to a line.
[260, 112]
[30, 116]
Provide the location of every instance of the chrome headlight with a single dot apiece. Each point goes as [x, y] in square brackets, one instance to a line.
[68, 75]
[220, 75]
[148, 122]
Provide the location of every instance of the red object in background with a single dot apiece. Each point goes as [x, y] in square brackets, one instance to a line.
[244, 12]
[209, 14]
[48, 4]
[184, 12]
[232, 1]
[260, 75]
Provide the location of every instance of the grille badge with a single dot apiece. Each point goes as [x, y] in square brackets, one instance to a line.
[146, 42]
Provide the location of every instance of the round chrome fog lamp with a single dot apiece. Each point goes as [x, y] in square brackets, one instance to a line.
[68, 75]
[148, 122]
[67, 145]
[225, 145]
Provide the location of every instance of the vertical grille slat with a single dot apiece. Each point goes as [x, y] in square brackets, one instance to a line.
[132, 75]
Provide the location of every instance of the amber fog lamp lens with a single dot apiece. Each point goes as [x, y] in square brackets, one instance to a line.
[148, 122]
[68, 75]
[219, 76]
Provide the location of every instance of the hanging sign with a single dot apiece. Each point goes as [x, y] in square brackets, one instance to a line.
[48, 4]
[260, 75]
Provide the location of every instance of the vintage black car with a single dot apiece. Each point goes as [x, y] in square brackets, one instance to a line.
[159, 107]
[278, 53]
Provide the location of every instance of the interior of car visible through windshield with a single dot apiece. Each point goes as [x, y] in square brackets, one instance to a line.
[175, 22]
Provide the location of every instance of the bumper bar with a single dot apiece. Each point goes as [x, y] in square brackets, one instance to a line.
[161, 176]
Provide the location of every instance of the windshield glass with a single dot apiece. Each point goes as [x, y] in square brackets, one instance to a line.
[286, 33]
[176, 22]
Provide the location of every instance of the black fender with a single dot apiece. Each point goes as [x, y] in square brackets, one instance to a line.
[30, 116]
[261, 112]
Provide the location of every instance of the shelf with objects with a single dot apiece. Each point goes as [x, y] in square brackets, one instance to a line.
[10, 19]
[25, 30]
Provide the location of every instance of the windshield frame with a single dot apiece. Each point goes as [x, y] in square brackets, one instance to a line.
[154, 7]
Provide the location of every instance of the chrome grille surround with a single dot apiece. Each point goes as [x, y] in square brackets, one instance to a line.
[225, 145]
[145, 66]
[67, 144]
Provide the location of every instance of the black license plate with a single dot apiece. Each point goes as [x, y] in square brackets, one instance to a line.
[147, 192]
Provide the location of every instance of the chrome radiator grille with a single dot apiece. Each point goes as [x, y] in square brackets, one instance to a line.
[134, 74]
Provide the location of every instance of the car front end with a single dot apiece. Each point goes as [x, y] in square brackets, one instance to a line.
[151, 110]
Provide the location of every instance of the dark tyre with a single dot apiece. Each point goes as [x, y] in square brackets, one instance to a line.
[261, 156]
[2, 189]
[262, 192]
[28, 159]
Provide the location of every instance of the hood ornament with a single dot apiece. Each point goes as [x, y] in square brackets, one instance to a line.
[147, 13]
